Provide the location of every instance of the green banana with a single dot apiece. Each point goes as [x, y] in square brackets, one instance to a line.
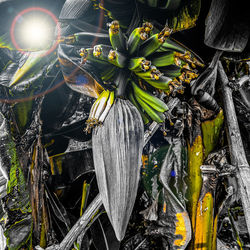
[135, 103]
[171, 71]
[169, 44]
[148, 27]
[155, 78]
[153, 114]
[161, 83]
[139, 64]
[154, 42]
[153, 73]
[101, 52]
[87, 54]
[116, 37]
[187, 57]
[135, 39]
[161, 59]
[117, 58]
[150, 99]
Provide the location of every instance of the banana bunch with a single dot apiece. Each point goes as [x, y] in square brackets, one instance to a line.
[152, 58]
[100, 109]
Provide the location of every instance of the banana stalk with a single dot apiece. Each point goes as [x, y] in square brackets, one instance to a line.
[237, 153]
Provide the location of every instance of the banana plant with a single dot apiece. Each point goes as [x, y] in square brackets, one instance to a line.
[132, 68]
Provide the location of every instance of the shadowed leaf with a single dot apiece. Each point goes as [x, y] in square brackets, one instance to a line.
[227, 25]
[103, 234]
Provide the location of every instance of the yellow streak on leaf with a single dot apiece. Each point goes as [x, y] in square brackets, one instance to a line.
[181, 229]
[204, 223]
[195, 160]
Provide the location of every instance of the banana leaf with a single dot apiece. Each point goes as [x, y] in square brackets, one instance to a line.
[17, 203]
[163, 178]
[74, 9]
[180, 228]
[207, 80]
[5, 42]
[55, 113]
[2, 239]
[121, 11]
[24, 79]
[227, 25]
[177, 15]
[83, 78]
[211, 130]
[68, 167]
[185, 16]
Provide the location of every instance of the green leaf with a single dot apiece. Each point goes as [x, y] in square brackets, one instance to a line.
[185, 16]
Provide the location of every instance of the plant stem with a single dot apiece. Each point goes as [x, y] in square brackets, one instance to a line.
[237, 153]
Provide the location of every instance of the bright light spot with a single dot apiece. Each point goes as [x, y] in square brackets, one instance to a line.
[36, 33]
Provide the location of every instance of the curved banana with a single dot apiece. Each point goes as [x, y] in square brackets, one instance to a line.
[87, 54]
[161, 59]
[161, 83]
[154, 114]
[116, 37]
[172, 71]
[102, 104]
[139, 64]
[150, 99]
[153, 73]
[136, 38]
[101, 52]
[136, 104]
[154, 42]
[117, 58]
[92, 121]
[171, 45]
[108, 107]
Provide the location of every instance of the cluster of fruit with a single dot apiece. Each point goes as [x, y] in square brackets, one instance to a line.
[152, 59]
